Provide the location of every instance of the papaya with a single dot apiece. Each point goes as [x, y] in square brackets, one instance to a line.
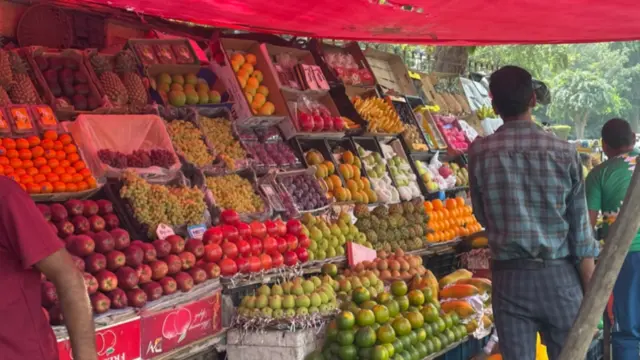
[483, 285]
[461, 307]
[458, 291]
[455, 276]
[495, 357]
[432, 283]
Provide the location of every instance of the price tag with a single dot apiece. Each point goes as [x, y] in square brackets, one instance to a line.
[196, 231]
[164, 231]
[357, 253]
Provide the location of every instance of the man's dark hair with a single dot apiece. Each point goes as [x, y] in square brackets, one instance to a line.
[617, 134]
[511, 90]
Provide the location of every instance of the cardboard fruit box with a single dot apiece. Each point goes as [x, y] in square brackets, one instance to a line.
[228, 58]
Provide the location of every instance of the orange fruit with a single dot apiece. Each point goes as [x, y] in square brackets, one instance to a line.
[37, 151]
[27, 163]
[20, 172]
[16, 163]
[430, 237]
[61, 155]
[65, 163]
[4, 160]
[22, 144]
[49, 154]
[70, 149]
[82, 186]
[46, 187]
[54, 163]
[66, 178]
[79, 165]
[1, 170]
[50, 135]
[437, 204]
[76, 178]
[52, 177]
[451, 204]
[33, 141]
[428, 206]
[44, 169]
[23, 186]
[58, 171]
[3, 151]
[92, 182]
[26, 179]
[14, 177]
[71, 187]
[30, 170]
[59, 187]
[460, 201]
[34, 188]
[73, 157]
[8, 169]
[85, 173]
[69, 170]
[47, 144]
[39, 178]
[13, 154]
[57, 145]
[8, 143]
[25, 154]
[65, 139]
[39, 162]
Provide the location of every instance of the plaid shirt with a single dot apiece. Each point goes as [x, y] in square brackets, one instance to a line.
[527, 189]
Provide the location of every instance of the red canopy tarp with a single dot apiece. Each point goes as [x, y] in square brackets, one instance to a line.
[452, 22]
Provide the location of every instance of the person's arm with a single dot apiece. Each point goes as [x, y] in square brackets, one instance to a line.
[36, 245]
[474, 189]
[593, 192]
[582, 243]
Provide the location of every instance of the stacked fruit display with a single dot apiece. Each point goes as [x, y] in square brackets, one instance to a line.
[250, 80]
[119, 272]
[68, 82]
[357, 184]
[328, 239]
[326, 171]
[138, 158]
[395, 324]
[449, 128]
[120, 80]
[45, 164]
[268, 149]
[394, 266]
[298, 297]
[16, 84]
[185, 89]
[348, 283]
[220, 133]
[456, 293]
[398, 226]
[381, 182]
[305, 191]
[442, 176]
[313, 116]
[188, 141]
[413, 137]
[402, 174]
[155, 204]
[382, 117]
[239, 247]
[449, 219]
[235, 192]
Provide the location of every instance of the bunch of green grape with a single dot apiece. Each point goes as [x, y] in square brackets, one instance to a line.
[155, 204]
[187, 139]
[219, 129]
[235, 192]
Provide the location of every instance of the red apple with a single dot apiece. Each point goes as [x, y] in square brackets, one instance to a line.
[115, 260]
[199, 275]
[49, 294]
[90, 208]
[277, 260]
[134, 255]
[149, 251]
[137, 297]
[169, 285]
[188, 260]
[118, 299]
[104, 242]
[163, 248]
[304, 241]
[177, 244]
[302, 254]
[144, 273]
[159, 269]
[111, 221]
[294, 227]
[184, 281]
[81, 245]
[266, 261]
[212, 236]
[153, 290]
[290, 258]
[269, 244]
[244, 249]
[121, 238]
[230, 233]
[174, 264]
[230, 250]
[282, 244]
[80, 224]
[74, 207]
[95, 262]
[281, 227]
[229, 217]
[292, 241]
[212, 270]
[107, 280]
[272, 229]
[196, 247]
[127, 277]
[90, 283]
[104, 207]
[58, 212]
[100, 303]
[97, 223]
[228, 267]
[212, 253]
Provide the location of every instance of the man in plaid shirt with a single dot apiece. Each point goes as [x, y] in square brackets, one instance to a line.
[527, 189]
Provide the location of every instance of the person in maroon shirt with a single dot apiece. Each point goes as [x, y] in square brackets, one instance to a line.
[28, 246]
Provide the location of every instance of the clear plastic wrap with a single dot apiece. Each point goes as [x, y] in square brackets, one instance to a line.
[124, 134]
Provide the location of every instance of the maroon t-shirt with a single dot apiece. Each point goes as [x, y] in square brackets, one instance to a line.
[25, 239]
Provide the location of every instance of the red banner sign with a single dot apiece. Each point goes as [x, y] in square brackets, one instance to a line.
[169, 329]
[115, 342]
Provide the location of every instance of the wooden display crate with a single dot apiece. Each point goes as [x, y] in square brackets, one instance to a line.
[390, 72]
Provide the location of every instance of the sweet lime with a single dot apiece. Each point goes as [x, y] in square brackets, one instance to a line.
[422, 350]
[399, 288]
[380, 353]
[428, 294]
[428, 329]
[382, 314]
[415, 355]
[369, 304]
[390, 349]
[448, 321]
[397, 345]
[429, 344]
[349, 352]
[442, 326]
[360, 295]
[365, 353]
[403, 302]
[416, 319]
[383, 297]
[332, 331]
[345, 320]
[430, 313]
[422, 335]
[386, 334]
[393, 306]
[365, 337]
[455, 319]
[450, 335]
[406, 342]
[401, 326]
[365, 317]
[416, 298]
[345, 337]
[437, 344]
[414, 337]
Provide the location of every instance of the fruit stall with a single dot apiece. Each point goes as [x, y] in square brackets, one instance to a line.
[245, 197]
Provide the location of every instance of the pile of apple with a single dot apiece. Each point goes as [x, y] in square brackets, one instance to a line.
[242, 248]
[119, 272]
[315, 117]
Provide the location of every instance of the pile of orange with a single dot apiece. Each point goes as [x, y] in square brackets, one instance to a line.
[450, 219]
[46, 164]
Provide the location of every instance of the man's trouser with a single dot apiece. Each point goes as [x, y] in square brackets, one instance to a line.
[534, 296]
[625, 338]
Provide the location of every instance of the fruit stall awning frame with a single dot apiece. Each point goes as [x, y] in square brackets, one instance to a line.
[456, 22]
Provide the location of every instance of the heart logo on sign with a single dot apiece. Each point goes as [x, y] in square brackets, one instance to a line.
[105, 342]
[176, 324]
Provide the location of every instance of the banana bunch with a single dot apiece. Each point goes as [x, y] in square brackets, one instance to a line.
[348, 123]
[485, 112]
[382, 117]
